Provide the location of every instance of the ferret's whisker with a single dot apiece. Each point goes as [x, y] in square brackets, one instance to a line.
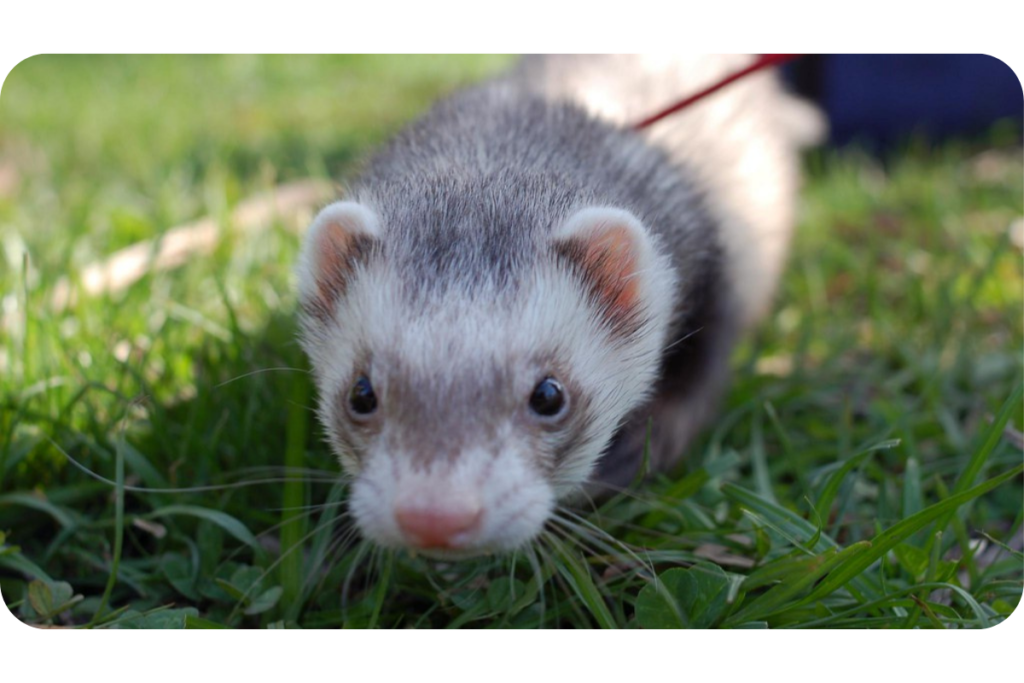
[679, 341]
[259, 372]
[184, 489]
[362, 548]
[327, 475]
[590, 543]
[547, 560]
[313, 507]
[538, 576]
[323, 562]
[588, 529]
[273, 565]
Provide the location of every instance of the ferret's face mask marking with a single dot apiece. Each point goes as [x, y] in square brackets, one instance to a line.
[465, 413]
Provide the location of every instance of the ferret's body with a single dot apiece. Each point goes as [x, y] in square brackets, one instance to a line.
[518, 285]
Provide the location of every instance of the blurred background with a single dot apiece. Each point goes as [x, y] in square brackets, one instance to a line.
[900, 315]
[880, 100]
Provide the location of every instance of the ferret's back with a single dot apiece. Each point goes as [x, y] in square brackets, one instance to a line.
[741, 143]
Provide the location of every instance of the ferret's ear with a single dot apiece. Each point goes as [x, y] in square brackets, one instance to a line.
[612, 252]
[341, 236]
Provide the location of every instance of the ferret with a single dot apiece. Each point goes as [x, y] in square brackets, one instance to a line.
[520, 292]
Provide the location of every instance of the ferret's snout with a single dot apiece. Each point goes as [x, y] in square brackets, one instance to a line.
[447, 524]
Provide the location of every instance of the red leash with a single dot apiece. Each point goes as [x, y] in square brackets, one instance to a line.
[762, 62]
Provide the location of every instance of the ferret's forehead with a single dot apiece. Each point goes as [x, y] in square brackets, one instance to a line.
[543, 325]
[443, 228]
[434, 328]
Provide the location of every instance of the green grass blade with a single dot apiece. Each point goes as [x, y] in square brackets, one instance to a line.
[788, 522]
[890, 538]
[992, 438]
[577, 574]
[118, 530]
[780, 597]
[293, 527]
[62, 516]
[225, 521]
[831, 488]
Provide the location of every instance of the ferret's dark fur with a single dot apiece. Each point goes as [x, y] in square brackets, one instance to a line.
[467, 205]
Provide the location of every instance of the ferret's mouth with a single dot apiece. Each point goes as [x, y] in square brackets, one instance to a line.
[480, 548]
[457, 550]
[451, 517]
[452, 554]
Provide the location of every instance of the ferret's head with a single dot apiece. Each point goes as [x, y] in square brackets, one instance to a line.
[470, 376]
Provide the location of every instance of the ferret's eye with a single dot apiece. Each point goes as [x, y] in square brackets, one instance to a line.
[361, 399]
[548, 398]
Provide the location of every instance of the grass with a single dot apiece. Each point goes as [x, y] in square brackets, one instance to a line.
[863, 471]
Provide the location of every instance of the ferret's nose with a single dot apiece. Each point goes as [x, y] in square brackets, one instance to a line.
[438, 526]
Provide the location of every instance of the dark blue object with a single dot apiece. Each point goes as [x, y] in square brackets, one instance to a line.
[883, 99]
